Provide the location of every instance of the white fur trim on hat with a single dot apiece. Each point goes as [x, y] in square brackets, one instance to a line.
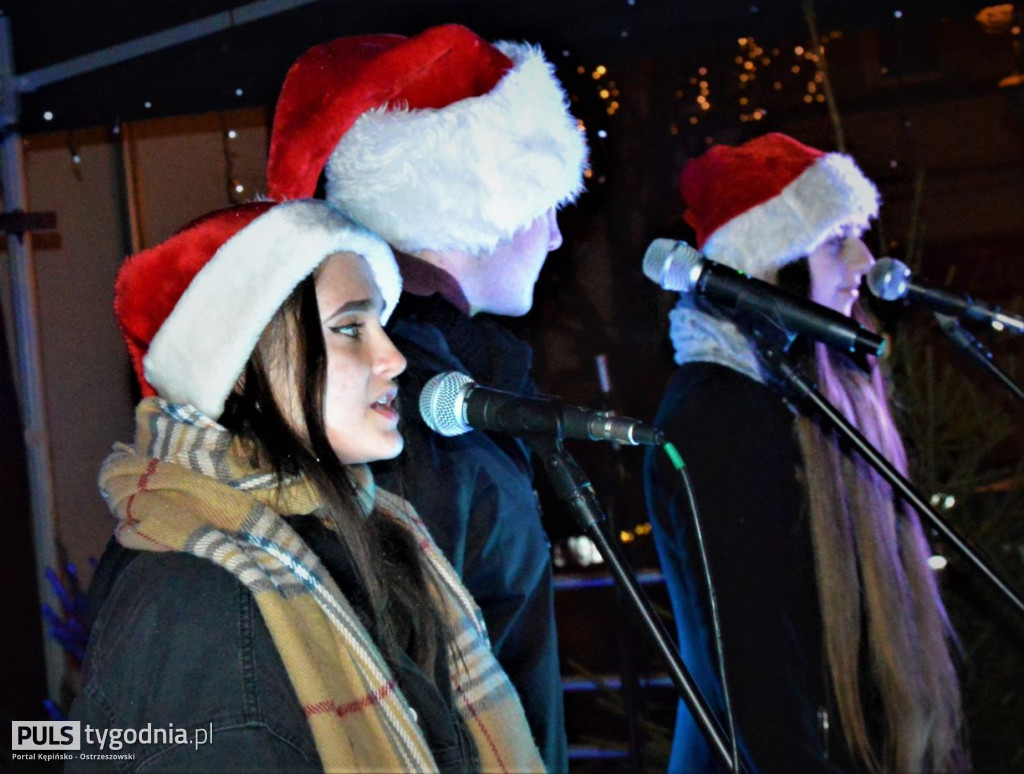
[468, 175]
[830, 193]
[201, 348]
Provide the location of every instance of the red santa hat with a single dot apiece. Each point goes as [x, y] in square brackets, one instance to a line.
[760, 205]
[437, 141]
[193, 308]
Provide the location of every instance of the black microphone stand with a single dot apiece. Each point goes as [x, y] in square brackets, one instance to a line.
[772, 345]
[573, 487]
[977, 351]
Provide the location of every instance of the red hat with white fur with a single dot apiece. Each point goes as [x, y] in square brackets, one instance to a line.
[760, 205]
[193, 308]
[436, 141]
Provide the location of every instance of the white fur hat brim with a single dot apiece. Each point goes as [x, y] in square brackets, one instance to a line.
[468, 175]
[830, 193]
[200, 350]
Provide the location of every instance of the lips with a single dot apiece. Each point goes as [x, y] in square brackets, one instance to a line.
[385, 404]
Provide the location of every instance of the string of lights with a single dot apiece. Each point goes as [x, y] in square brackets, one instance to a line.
[757, 79]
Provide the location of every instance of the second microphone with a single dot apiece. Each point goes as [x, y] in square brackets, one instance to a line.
[677, 266]
[452, 404]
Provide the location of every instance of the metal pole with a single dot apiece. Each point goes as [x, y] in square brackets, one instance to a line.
[574, 489]
[804, 391]
[148, 44]
[977, 352]
[28, 360]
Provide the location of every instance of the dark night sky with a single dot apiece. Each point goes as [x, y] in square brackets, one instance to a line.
[204, 75]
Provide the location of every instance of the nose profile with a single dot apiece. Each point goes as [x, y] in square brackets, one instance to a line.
[857, 256]
[554, 233]
[390, 361]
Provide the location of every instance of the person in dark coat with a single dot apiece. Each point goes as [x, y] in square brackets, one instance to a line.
[836, 642]
[458, 152]
[264, 606]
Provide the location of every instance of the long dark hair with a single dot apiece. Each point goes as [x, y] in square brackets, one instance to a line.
[887, 638]
[393, 593]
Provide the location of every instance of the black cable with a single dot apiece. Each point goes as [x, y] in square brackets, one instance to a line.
[716, 624]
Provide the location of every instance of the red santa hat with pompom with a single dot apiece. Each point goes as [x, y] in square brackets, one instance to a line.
[760, 205]
[437, 141]
[193, 308]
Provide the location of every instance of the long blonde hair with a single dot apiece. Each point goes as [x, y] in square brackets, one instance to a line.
[887, 638]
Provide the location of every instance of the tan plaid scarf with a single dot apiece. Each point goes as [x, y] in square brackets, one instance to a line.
[186, 485]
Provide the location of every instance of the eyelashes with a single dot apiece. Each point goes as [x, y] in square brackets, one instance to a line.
[353, 330]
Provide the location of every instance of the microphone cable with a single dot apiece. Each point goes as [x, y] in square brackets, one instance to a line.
[716, 625]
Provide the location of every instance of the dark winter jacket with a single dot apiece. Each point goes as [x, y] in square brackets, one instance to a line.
[475, 494]
[178, 643]
[736, 436]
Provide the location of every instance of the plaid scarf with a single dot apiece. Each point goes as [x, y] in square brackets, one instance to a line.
[187, 485]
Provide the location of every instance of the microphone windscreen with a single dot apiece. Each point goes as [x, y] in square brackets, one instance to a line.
[441, 403]
[671, 264]
[888, 279]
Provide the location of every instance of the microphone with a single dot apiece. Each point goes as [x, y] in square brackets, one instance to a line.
[452, 404]
[889, 280]
[677, 266]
